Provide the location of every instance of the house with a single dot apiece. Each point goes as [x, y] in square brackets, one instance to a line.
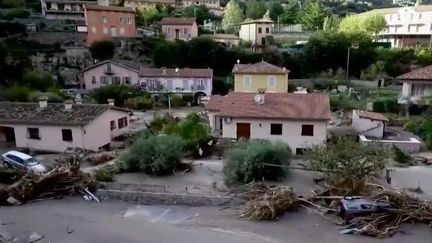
[370, 124]
[300, 120]
[416, 85]
[108, 22]
[261, 75]
[179, 28]
[143, 4]
[57, 127]
[110, 72]
[228, 40]
[408, 26]
[181, 80]
[67, 10]
[258, 32]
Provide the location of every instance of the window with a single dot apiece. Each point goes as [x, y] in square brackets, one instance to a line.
[271, 81]
[93, 29]
[247, 82]
[417, 90]
[105, 30]
[113, 125]
[307, 130]
[104, 19]
[129, 20]
[127, 80]
[398, 16]
[275, 129]
[122, 122]
[259, 30]
[33, 133]
[391, 17]
[93, 79]
[122, 20]
[116, 80]
[113, 31]
[185, 31]
[267, 30]
[300, 151]
[420, 15]
[67, 135]
[103, 79]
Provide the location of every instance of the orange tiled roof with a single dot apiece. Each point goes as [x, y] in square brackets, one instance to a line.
[424, 74]
[371, 115]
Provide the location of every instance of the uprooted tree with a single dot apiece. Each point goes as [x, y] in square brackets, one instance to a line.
[348, 163]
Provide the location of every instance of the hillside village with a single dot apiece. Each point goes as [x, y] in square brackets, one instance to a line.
[180, 120]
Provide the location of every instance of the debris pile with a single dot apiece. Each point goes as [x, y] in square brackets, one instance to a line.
[65, 179]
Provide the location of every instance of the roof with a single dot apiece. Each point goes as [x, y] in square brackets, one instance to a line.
[261, 20]
[221, 36]
[54, 114]
[177, 72]
[315, 106]
[383, 11]
[422, 74]
[108, 8]
[260, 67]
[118, 62]
[177, 21]
[156, 1]
[371, 115]
[19, 154]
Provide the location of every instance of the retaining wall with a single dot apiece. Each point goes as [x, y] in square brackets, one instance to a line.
[411, 146]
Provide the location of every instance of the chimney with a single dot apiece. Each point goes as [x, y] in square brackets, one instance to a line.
[43, 102]
[78, 101]
[111, 102]
[284, 69]
[176, 70]
[68, 105]
[164, 70]
[260, 97]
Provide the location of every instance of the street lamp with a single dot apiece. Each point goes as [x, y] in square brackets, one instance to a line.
[354, 46]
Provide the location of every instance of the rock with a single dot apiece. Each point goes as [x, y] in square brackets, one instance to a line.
[28, 237]
[13, 201]
[4, 234]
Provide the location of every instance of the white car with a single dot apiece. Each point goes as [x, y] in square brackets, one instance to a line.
[22, 161]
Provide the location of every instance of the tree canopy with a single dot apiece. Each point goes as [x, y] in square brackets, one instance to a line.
[200, 12]
[232, 17]
[371, 24]
[255, 9]
[313, 15]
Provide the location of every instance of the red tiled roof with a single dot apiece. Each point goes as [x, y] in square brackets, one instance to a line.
[177, 72]
[424, 74]
[108, 8]
[260, 67]
[177, 21]
[371, 115]
[276, 106]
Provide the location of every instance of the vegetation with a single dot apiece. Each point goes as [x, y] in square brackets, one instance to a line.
[369, 24]
[177, 101]
[400, 156]
[119, 92]
[200, 13]
[104, 175]
[255, 9]
[421, 127]
[102, 50]
[156, 155]
[246, 162]
[139, 103]
[313, 15]
[18, 93]
[233, 15]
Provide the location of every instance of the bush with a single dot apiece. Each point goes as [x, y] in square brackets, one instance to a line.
[379, 106]
[392, 106]
[177, 101]
[139, 103]
[187, 98]
[245, 162]
[17, 13]
[156, 155]
[37, 81]
[400, 156]
[52, 97]
[104, 175]
[120, 93]
[18, 93]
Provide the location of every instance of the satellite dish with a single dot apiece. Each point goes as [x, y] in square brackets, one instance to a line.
[258, 98]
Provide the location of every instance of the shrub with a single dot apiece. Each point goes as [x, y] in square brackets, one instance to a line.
[37, 81]
[379, 106]
[246, 161]
[18, 93]
[177, 101]
[187, 98]
[392, 105]
[156, 155]
[139, 103]
[52, 97]
[120, 93]
[104, 175]
[400, 156]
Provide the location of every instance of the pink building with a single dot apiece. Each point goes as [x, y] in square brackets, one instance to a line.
[107, 22]
[179, 28]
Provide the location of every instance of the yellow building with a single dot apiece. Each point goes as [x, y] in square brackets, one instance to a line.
[259, 76]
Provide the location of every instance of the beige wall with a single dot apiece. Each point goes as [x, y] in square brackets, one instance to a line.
[250, 32]
[261, 81]
[291, 131]
[98, 72]
[170, 31]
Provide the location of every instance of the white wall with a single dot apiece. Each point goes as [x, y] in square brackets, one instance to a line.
[407, 88]
[178, 83]
[98, 71]
[291, 131]
[248, 32]
[368, 127]
[408, 21]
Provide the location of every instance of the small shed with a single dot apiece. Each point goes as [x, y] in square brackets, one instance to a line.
[370, 124]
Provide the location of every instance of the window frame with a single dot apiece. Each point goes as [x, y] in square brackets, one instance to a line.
[247, 78]
[306, 131]
[30, 133]
[94, 81]
[129, 20]
[122, 122]
[113, 125]
[276, 129]
[66, 137]
[103, 79]
[271, 78]
[267, 30]
[104, 19]
[259, 30]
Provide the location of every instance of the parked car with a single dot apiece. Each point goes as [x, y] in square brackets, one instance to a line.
[22, 161]
[354, 207]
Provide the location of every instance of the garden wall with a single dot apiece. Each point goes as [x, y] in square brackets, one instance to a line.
[412, 145]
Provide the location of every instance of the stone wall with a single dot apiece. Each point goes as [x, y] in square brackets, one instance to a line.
[149, 198]
[411, 146]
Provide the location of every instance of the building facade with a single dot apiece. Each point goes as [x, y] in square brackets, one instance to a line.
[108, 22]
[370, 124]
[258, 32]
[179, 28]
[67, 9]
[110, 72]
[299, 120]
[416, 86]
[260, 76]
[57, 127]
[406, 26]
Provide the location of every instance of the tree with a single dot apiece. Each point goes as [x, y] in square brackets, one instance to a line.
[290, 14]
[102, 50]
[200, 12]
[255, 9]
[276, 10]
[232, 17]
[371, 24]
[120, 93]
[313, 15]
[374, 23]
[331, 23]
[37, 81]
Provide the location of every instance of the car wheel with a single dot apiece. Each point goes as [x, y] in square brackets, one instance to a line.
[7, 165]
